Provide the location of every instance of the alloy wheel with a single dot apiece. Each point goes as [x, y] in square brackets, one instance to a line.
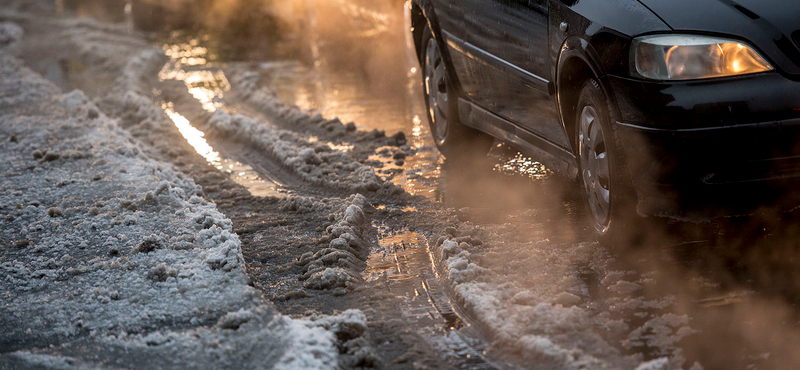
[436, 90]
[595, 166]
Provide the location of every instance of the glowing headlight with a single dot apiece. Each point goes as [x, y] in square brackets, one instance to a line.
[686, 57]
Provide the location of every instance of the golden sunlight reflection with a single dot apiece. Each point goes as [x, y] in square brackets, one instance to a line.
[207, 85]
[240, 173]
[417, 140]
[380, 21]
[192, 135]
[337, 147]
[523, 165]
[399, 255]
[187, 53]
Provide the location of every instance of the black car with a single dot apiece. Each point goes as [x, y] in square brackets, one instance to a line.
[679, 105]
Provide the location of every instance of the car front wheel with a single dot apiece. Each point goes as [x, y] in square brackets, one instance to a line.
[605, 187]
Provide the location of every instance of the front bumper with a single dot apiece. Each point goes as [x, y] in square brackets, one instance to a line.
[732, 143]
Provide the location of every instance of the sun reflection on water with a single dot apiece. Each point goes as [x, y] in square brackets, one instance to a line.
[187, 53]
[523, 165]
[240, 173]
[192, 135]
[208, 86]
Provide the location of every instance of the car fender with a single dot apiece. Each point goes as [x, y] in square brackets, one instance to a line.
[429, 14]
[576, 47]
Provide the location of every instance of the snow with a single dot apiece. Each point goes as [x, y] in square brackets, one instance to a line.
[309, 348]
[247, 339]
[58, 195]
[316, 163]
[657, 364]
[109, 247]
[530, 299]
[10, 33]
[339, 265]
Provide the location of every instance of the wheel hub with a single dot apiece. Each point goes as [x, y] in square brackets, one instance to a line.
[436, 90]
[595, 166]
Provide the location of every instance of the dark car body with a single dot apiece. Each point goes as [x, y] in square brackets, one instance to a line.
[517, 67]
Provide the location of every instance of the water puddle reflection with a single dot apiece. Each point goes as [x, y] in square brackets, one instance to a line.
[524, 166]
[405, 261]
[189, 63]
[242, 174]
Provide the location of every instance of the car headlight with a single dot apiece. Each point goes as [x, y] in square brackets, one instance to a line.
[689, 57]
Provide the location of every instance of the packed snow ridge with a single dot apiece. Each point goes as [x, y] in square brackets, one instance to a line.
[315, 163]
[528, 297]
[246, 86]
[338, 266]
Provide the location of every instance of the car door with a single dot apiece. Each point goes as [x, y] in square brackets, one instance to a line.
[509, 68]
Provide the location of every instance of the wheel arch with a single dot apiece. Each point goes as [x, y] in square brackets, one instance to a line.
[418, 22]
[577, 63]
[422, 14]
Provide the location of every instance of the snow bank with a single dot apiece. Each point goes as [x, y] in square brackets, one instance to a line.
[113, 234]
[246, 339]
[338, 266]
[530, 299]
[315, 163]
[107, 249]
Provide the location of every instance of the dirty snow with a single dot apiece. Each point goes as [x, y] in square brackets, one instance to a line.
[315, 163]
[10, 33]
[529, 296]
[104, 246]
[339, 266]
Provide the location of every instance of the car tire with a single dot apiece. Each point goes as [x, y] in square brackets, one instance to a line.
[607, 190]
[454, 140]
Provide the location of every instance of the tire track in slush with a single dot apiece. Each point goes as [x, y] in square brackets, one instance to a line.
[428, 301]
[259, 183]
[402, 257]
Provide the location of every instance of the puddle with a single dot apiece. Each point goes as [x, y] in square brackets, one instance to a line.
[522, 165]
[189, 63]
[242, 174]
[404, 260]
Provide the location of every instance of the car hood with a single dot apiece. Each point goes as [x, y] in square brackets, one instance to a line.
[773, 26]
